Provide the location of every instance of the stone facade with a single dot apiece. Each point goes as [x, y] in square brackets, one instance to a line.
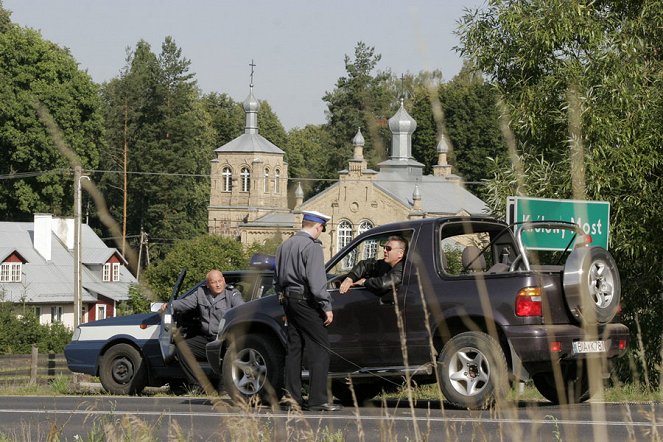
[362, 198]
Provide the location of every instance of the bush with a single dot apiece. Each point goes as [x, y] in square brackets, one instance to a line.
[20, 329]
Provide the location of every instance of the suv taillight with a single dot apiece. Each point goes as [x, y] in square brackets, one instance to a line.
[528, 302]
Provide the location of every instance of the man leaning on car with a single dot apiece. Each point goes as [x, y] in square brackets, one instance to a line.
[212, 301]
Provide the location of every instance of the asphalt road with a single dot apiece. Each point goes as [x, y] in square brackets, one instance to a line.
[199, 418]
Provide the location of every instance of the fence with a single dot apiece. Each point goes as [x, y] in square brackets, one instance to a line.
[33, 368]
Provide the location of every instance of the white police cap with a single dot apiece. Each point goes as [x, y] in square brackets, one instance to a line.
[316, 217]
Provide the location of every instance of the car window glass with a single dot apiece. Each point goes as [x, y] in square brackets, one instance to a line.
[467, 249]
[266, 286]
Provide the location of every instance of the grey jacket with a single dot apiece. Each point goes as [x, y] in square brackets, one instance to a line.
[300, 266]
[210, 312]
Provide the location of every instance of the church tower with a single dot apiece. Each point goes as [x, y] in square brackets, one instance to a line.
[249, 177]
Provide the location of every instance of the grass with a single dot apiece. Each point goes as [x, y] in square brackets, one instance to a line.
[62, 385]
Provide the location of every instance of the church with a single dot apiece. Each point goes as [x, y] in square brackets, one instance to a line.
[249, 184]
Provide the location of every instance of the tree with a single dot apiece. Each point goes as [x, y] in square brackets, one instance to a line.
[227, 116]
[155, 115]
[465, 111]
[580, 85]
[270, 126]
[307, 153]
[35, 72]
[199, 255]
[360, 100]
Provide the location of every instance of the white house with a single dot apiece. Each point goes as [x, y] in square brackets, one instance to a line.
[37, 270]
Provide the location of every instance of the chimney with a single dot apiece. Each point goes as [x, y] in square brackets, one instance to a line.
[64, 229]
[42, 234]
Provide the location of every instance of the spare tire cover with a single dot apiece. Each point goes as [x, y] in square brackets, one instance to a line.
[591, 285]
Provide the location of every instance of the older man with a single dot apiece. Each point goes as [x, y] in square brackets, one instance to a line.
[382, 275]
[212, 300]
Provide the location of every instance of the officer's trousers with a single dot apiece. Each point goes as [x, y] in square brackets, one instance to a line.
[306, 333]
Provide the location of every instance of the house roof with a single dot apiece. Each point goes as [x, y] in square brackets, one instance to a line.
[250, 142]
[439, 195]
[273, 219]
[52, 281]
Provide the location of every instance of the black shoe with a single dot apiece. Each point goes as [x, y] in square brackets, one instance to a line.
[324, 407]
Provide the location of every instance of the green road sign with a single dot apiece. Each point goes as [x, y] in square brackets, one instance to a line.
[592, 216]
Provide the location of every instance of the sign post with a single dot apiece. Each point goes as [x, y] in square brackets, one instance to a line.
[593, 217]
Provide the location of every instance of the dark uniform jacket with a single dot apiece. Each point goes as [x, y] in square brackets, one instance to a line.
[380, 276]
[211, 308]
[300, 270]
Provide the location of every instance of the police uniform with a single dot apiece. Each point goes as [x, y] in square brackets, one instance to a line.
[300, 277]
[211, 310]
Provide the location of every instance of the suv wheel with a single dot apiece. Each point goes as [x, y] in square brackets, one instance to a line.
[591, 285]
[472, 371]
[253, 367]
[573, 388]
[122, 370]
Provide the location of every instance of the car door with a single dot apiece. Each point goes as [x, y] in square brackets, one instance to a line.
[365, 328]
[167, 325]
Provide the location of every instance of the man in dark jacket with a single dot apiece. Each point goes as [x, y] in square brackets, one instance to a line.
[212, 300]
[379, 276]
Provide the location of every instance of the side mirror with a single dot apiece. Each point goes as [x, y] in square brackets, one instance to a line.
[156, 306]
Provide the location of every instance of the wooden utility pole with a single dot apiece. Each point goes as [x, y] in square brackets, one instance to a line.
[124, 199]
[78, 280]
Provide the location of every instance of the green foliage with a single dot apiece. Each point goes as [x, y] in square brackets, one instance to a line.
[154, 115]
[270, 126]
[465, 109]
[199, 255]
[227, 117]
[33, 72]
[360, 100]
[20, 329]
[308, 156]
[137, 303]
[581, 85]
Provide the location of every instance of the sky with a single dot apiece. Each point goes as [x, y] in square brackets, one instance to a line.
[298, 46]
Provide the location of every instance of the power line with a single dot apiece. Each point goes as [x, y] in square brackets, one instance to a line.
[193, 175]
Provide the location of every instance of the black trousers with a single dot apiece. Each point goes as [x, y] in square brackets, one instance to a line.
[306, 333]
[197, 345]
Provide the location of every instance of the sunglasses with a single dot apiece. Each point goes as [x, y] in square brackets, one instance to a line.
[390, 248]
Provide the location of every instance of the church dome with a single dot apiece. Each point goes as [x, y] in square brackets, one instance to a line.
[402, 122]
[251, 104]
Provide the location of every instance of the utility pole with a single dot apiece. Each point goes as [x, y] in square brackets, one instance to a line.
[78, 282]
[140, 253]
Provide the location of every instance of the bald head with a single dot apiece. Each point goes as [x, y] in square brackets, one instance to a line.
[216, 283]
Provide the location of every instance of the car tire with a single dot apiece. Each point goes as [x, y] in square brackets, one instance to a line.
[253, 367]
[472, 370]
[123, 370]
[574, 387]
[592, 286]
[363, 392]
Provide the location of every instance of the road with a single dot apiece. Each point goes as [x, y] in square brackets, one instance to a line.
[199, 418]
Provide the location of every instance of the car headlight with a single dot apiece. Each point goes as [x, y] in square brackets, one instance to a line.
[77, 334]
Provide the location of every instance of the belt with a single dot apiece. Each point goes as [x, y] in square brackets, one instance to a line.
[296, 294]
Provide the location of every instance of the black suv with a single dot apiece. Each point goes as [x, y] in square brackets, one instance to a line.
[475, 311]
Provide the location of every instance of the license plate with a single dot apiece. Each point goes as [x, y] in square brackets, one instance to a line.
[589, 347]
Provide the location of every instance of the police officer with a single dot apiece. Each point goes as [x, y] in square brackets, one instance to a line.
[301, 279]
[212, 301]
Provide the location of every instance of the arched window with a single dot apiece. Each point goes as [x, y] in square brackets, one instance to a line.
[370, 247]
[277, 181]
[344, 237]
[227, 177]
[266, 189]
[245, 175]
